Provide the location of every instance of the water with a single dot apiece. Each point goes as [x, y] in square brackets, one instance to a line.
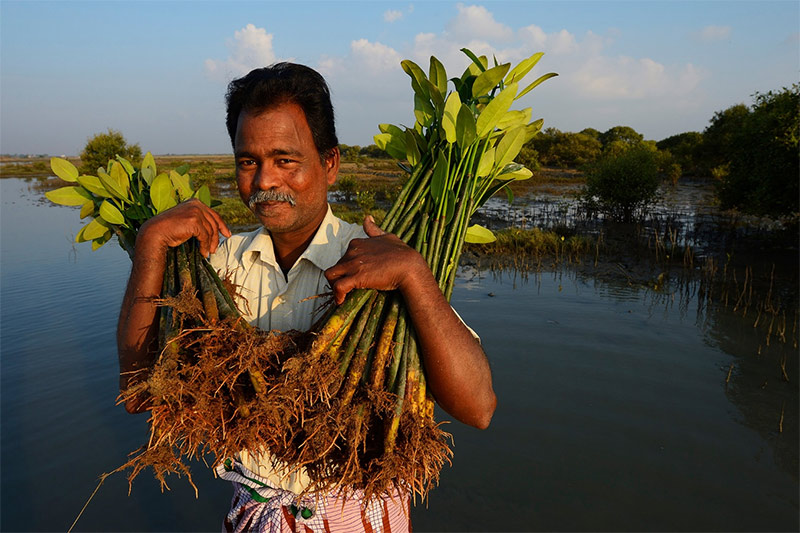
[614, 412]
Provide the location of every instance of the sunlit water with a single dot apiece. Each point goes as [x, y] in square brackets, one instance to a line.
[614, 412]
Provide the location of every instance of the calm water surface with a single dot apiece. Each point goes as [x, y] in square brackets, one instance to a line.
[613, 409]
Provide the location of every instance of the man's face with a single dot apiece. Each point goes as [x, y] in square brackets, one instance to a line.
[275, 154]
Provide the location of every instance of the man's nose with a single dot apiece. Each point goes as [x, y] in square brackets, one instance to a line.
[267, 178]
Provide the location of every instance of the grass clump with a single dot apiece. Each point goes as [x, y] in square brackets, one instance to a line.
[524, 244]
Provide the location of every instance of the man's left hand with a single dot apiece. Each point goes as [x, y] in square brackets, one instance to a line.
[382, 261]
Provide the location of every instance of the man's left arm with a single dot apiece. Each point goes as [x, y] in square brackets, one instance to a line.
[456, 367]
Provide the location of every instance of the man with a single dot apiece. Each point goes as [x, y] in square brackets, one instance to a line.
[280, 121]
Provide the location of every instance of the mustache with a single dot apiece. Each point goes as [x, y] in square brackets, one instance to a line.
[269, 196]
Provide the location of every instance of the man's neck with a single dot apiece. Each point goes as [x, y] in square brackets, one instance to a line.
[288, 247]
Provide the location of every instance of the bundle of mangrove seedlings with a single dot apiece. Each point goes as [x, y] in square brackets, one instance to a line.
[347, 402]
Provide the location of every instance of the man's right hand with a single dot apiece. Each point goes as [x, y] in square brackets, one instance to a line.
[175, 226]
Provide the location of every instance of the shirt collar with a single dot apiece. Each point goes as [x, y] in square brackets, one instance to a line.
[321, 250]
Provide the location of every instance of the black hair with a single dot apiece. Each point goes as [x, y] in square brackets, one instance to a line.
[281, 83]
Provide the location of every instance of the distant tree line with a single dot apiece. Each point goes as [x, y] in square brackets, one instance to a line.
[751, 153]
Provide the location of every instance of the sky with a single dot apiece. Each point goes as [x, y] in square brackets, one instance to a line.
[158, 71]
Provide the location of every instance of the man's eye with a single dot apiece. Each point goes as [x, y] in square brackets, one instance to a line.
[246, 162]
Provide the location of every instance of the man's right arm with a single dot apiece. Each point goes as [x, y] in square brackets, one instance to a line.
[137, 330]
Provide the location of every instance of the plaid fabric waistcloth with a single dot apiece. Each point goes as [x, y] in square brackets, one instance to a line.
[258, 507]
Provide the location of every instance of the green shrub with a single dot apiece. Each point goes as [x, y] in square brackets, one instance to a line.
[104, 146]
[347, 185]
[624, 183]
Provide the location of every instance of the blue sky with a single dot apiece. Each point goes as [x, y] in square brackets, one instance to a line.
[157, 71]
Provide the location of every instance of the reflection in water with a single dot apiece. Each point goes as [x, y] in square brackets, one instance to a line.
[614, 413]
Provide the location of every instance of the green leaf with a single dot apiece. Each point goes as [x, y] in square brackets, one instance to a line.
[94, 229]
[149, 162]
[111, 214]
[477, 234]
[391, 128]
[412, 150]
[436, 96]
[514, 118]
[538, 81]
[119, 173]
[533, 128]
[449, 206]
[439, 177]
[495, 110]
[438, 76]
[525, 66]
[450, 117]
[465, 126]
[94, 186]
[148, 174]
[489, 79]
[183, 169]
[100, 241]
[394, 145]
[514, 171]
[417, 75]
[181, 184]
[486, 163]
[126, 165]
[68, 196]
[423, 110]
[204, 195]
[477, 62]
[64, 169]
[162, 194]
[509, 146]
[87, 209]
[111, 185]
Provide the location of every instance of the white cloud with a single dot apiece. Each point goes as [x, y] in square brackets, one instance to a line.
[392, 15]
[476, 22]
[250, 48]
[713, 33]
[375, 56]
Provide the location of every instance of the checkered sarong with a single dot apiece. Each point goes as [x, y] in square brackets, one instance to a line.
[258, 507]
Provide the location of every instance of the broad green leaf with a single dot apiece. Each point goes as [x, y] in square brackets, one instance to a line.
[390, 128]
[94, 229]
[87, 209]
[148, 174]
[112, 185]
[465, 126]
[450, 117]
[64, 169]
[149, 162]
[489, 79]
[479, 63]
[509, 146]
[525, 66]
[119, 173]
[477, 234]
[394, 145]
[423, 110]
[533, 128]
[495, 110]
[439, 177]
[514, 171]
[100, 241]
[514, 118]
[412, 150]
[94, 186]
[417, 75]
[126, 165]
[438, 76]
[111, 214]
[162, 194]
[486, 163]
[204, 195]
[68, 196]
[183, 169]
[539, 80]
[181, 184]
[436, 96]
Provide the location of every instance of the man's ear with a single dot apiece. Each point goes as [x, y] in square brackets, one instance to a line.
[332, 165]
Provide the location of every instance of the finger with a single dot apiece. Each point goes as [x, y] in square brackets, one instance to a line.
[341, 288]
[372, 229]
